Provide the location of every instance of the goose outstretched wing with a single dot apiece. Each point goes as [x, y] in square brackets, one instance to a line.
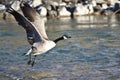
[33, 34]
[32, 15]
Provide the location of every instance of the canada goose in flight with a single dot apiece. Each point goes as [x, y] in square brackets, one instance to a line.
[35, 30]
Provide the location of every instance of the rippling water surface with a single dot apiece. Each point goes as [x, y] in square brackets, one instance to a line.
[93, 52]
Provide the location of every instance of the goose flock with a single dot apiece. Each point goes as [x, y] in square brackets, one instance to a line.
[35, 30]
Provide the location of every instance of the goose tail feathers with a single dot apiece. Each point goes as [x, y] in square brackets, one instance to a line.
[28, 53]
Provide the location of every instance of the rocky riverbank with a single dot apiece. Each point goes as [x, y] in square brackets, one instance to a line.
[72, 8]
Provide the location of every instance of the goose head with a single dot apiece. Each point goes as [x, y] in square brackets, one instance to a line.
[63, 37]
[66, 36]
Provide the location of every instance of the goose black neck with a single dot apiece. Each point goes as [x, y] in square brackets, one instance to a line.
[58, 39]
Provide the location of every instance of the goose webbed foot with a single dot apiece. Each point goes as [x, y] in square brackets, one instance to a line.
[31, 61]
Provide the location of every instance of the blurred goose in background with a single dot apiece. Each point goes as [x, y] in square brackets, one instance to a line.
[35, 30]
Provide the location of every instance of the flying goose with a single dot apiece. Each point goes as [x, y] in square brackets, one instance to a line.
[35, 30]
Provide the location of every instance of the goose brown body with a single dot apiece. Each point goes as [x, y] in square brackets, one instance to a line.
[35, 29]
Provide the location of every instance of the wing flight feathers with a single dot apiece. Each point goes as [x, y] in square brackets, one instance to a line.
[32, 32]
[31, 14]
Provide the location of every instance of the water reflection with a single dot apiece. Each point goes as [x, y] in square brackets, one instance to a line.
[86, 22]
[91, 54]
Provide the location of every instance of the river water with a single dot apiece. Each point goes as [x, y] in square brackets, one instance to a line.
[93, 52]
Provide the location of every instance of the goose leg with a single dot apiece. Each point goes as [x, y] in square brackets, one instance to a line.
[30, 60]
[33, 61]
